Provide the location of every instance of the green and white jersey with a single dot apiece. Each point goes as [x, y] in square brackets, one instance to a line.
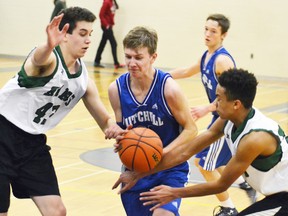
[37, 104]
[267, 175]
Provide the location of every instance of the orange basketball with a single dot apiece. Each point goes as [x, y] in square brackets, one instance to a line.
[140, 149]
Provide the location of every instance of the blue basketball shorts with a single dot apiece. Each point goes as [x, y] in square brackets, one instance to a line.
[130, 199]
[216, 155]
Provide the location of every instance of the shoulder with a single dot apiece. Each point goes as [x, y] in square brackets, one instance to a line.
[223, 63]
[112, 87]
[261, 142]
[172, 90]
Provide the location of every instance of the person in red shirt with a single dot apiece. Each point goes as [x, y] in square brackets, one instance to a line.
[106, 15]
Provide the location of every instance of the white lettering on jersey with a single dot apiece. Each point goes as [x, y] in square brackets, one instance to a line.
[143, 116]
[207, 82]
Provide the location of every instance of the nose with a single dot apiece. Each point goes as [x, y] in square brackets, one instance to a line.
[88, 40]
[130, 62]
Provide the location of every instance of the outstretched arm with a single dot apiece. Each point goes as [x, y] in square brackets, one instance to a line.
[174, 156]
[179, 73]
[97, 109]
[249, 148]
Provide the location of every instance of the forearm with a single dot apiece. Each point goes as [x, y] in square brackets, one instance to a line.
[173, 156]
[183, 72]
[204, 189]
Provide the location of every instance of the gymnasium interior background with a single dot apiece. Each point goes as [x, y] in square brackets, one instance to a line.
[257, 38]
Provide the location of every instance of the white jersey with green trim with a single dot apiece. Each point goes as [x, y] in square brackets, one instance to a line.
[267, 175]
[37, 104]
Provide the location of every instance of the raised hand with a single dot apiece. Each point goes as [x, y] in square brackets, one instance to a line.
[55, 36]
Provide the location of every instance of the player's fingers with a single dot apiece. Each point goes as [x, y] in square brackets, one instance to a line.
[124, 188]
[116, 184]
[129, 127]
[117, 147]
[155, 207]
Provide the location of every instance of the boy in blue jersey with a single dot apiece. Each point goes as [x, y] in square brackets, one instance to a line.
[142, 95]
[213, 62]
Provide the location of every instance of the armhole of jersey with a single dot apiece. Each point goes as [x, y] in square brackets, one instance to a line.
[118, 87]
[31, 82]
[163, 95]
[273, 159]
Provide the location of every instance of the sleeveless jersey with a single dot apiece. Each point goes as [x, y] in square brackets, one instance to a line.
[268, 175]
[37, 104]
[152, 113]
[208, 73]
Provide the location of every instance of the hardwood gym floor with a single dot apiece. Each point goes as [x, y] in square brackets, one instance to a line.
[85, 182]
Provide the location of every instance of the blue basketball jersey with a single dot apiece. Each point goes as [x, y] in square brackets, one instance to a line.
[208, 73]
[153, 112]
[218, 153]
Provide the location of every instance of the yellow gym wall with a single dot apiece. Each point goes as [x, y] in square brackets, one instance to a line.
[258, 28]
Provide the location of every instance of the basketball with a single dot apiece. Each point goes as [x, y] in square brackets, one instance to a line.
[140, 149]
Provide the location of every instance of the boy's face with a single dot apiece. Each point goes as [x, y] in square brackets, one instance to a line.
[224, 107]
[138, 60]
[213, 34]
[78, 42]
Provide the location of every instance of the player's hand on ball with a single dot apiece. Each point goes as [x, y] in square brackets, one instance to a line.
[128, 180]
[118, 138]
[114, 131]
[158, 196]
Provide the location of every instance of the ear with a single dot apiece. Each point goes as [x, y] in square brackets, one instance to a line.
[153, 57]
[65, 39]
[237, 104]
[224, 35]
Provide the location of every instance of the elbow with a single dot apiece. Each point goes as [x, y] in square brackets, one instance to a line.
[221, 186]
[194, 132]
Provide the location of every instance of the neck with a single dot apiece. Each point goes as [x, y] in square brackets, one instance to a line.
[240, 117]
[212, 49]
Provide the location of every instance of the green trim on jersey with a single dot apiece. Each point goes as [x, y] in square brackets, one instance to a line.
[31, 81]
[264, 163]
[77, 74]
[261, 163]
[240, 129]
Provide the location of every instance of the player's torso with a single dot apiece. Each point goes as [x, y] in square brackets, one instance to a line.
[208, 73]
[268, 175]
[153, 112]
[39, 104]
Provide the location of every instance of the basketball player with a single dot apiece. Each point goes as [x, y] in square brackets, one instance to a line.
[148, 97]
[213, 62]
[51, 81]
[259, 147]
